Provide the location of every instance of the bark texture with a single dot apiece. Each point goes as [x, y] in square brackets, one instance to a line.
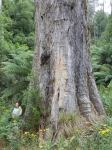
[0, 4]
[62, 59]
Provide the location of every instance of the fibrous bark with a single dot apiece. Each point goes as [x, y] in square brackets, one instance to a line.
[0, 4]
[62, 59]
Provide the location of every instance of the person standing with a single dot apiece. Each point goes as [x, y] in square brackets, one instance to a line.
[17, 111]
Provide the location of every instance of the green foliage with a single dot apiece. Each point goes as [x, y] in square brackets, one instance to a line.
[102, 56]
[32, 100]
[11, 130]
[107, 35]
[102, 59]
[100, 20]
[106, 93]
[67, 118]
[16, 51]
[106, 55]
[16, 47]
[16, 70]
[22, 15]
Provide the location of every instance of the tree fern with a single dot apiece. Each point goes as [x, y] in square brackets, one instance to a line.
[16, 70]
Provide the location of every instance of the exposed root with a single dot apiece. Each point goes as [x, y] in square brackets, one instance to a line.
[76, 125]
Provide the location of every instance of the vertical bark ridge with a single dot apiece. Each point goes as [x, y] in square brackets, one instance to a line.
[93, 91]
[80, 58]
[63, 72]
[94, 96]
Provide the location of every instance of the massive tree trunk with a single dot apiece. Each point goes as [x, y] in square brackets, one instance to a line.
[62, 59]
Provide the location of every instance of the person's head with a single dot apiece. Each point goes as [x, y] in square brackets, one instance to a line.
[18, 103]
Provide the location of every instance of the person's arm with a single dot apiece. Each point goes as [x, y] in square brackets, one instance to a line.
[20, 111]
[13, 113]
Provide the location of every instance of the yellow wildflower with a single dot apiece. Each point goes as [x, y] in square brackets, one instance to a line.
[40, 146]
[26, 133]
[33, 135]
[104, 132]
[47, 129]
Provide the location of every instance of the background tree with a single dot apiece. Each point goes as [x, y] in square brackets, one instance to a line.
[100, 20]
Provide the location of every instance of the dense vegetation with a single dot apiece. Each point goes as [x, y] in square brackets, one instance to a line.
[17, 44]
[16, 53]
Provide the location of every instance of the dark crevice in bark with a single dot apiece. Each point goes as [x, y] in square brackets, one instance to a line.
[45, 58]
[72, 7]
[42, 17]
[58, 94]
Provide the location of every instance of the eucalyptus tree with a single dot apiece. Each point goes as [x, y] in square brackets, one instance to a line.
[62, 60]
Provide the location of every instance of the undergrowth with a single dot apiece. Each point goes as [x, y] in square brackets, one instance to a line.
[97, 137]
